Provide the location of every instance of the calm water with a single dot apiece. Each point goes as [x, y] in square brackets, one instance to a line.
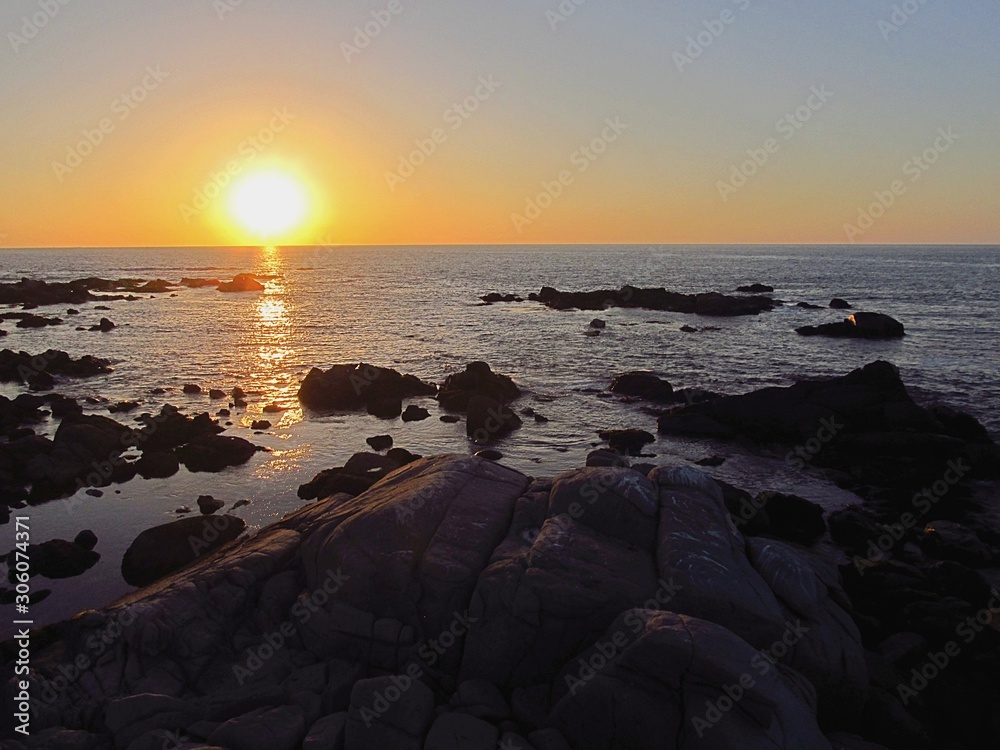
[416, 309]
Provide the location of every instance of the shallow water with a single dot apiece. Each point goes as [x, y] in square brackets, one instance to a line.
[416, 309]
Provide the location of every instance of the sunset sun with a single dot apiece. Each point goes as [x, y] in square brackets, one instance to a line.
[268, 204]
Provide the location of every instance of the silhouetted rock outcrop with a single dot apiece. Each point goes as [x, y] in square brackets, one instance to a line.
[355, 387]
[711, 303]
[861, 325]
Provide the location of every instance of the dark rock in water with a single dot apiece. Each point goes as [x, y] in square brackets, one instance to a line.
[158, 391]
[380, 443]
[354, 387]
[208, 504]
[855, 528]
[497, 297]
[689, 329]
[644, 385]
[603, 457]
[164, 549]
[32, 293]
[629, 442]
[450, 418]
[755, 289]
[71, 311]
[489, 454]
[243, 282]
[104, 326]
[260, 424]
[170, 429]
[156, 286]
[20, 367]
[858, 326]
[598, 323]
[238, 393]
[809, 306]
[216, 394]
[385, 408]
[712, 303]
[476, 380]
[27, 320]
[864, 423]
[86, 539]
[223, 413]
[211, 453]
[360, 472]
[839, 304]
[94, 493]
[711, 461]
[415, 414]
[946, 540]
[274, 409]
[489, 419]
[58, 558]
[191, 388]
[123, 407]
[199, 283]
[592, 332]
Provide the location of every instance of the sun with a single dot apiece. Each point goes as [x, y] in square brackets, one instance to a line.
[268, 204]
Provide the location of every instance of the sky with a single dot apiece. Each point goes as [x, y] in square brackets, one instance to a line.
[135, 122]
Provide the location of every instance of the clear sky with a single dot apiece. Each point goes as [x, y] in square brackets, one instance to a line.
[129, 122]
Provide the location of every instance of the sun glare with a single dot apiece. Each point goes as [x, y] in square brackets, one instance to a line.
[268, 204]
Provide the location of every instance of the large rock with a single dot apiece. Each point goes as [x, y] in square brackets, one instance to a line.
[862, 325]
[489, 419]
[711, 303]
[477, 379]
[58, 558]
[19, 367]
[243, 282]
[213, 453]
[164, 549]
[643, 385]
[355, 387]
[662, 689]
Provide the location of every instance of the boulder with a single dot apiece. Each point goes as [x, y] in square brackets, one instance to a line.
[755, 289]
[157, 464]
[401, 724]
[274, 728]
[385, 408]
[164, 549]
[840, 304]
[354, 387]
[208, 504]
[260, 424]
[644, 385]
[19, 367]
[489, 419]
[415, 414]
[58, 558]
[212, 453]
[861, 325]
[630, 442]
[243, 282]
[103, 326]
[380, 443]
[477, 379]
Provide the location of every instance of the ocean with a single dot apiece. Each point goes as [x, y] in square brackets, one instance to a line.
[417, 309]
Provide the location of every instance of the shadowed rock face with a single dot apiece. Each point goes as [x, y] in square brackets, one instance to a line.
[456, 594]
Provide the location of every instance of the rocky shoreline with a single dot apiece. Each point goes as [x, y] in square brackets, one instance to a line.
[452, 602]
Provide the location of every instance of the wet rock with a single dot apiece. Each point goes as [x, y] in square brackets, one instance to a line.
[489, 455]
[354, 387]
[380, 443]
[689, 329]
[164, 549]
[401, 456]
[712, 303]
[216, 394]
[123, 407]
[478, 379]
[199, 283]
[86, 539]
[58, 558]
[191, 388]
[602, 457]
[260, 424]
[415, 414]
[644, 385]
[859, 326]
[385, 408]
[450, 418]
[103, 326]
[598, 323]
[19, 367]
[212, 453]
[157, 465]
[489, 419]
[170, 429]
[755, 289]
[839, 304]
[711, 461]
[493, 297]
[274, 409]
[243, 282]
[208, 505]
[630, 442]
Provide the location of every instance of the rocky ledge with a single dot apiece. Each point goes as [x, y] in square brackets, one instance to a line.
[460, 604]
[711, 303]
